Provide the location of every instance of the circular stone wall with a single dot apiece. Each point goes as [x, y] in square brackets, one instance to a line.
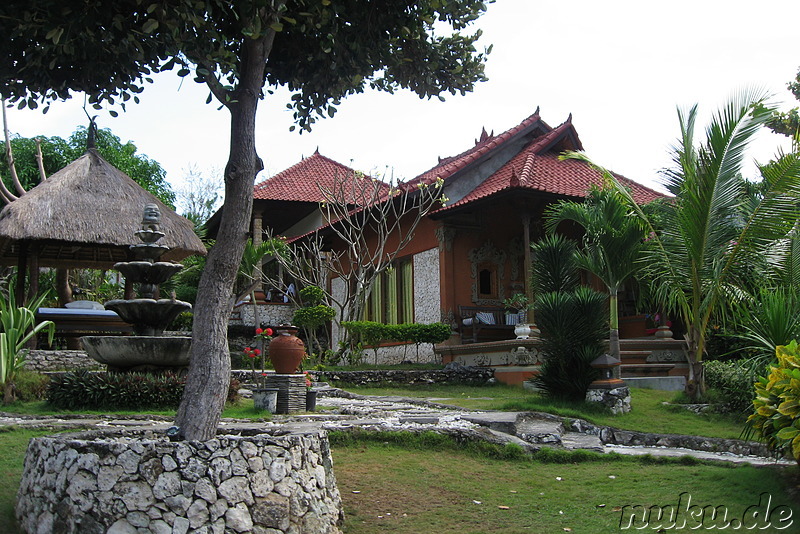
[262, 483]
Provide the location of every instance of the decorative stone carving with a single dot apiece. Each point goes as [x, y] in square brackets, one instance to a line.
[446, 235]
[666, 356]
[516, 251]
[488, 253]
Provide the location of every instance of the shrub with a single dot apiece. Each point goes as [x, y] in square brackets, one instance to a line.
[119, 391]
[313, 317]
[372, 334]
[776, 417]
[312, 295]
[572, 321]
[182, 322]
[31, 386]
[733, 383]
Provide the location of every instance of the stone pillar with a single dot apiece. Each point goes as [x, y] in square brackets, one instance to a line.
[291, 392]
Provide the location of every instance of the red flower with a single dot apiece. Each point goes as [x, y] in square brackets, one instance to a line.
[258, 331]
[257, 352]
[268, 331]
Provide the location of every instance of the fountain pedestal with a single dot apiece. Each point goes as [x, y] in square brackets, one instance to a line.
[291, 392]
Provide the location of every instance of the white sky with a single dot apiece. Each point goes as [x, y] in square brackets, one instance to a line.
[620, 67]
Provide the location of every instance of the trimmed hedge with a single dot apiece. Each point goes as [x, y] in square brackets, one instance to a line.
[372, 333]
[83, 390]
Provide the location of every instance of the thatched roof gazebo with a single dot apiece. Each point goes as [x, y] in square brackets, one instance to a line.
[85, 216]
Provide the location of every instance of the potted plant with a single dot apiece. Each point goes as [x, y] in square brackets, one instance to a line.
[264, 398]
[311, 393]
[518, 303]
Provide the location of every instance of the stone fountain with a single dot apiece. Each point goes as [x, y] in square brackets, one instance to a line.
[148, 349]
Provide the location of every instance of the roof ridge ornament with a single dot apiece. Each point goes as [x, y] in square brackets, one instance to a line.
[91, 134]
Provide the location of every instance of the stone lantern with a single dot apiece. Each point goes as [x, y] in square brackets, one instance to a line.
[608, 390]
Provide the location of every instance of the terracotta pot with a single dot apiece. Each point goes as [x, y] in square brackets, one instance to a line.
[286, 350]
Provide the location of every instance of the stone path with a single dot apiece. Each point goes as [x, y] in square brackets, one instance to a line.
[341, 410]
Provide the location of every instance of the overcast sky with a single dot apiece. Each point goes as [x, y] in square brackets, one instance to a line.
[620, 68]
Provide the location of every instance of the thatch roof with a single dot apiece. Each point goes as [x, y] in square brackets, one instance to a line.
[85, 215]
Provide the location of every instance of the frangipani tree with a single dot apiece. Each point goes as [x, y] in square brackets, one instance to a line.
[613, 243]
[712, 233]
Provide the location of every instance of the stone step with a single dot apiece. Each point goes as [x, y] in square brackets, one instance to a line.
[577, 440]
[646, 369]
[540, 431]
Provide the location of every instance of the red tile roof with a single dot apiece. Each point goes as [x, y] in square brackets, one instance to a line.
[486, 144]
[537, 167]
[302, 182]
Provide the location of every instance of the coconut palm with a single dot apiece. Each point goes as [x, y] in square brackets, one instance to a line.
[713, 232]
[613, 244]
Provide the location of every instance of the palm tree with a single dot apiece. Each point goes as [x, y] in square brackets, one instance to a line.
[613, 244]
[713, 232]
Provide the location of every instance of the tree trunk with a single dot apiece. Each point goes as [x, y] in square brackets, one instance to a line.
[696, 384]
[9, 393]
[209, 369]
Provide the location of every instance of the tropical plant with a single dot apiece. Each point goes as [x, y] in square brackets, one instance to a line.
[18, 327]
[769, 319]
[776, 417]
[571, 320]
[613, 243]
[713, 234]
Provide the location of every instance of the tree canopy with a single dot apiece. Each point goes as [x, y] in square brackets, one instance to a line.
[322, 51]
[57, 153]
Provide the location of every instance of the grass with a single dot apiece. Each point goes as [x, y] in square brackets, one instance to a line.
[410, 483]
[13, 443]
[402, 485]
[648, 414]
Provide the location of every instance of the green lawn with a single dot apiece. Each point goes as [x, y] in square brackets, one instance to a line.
[648, 413]
[389, 487]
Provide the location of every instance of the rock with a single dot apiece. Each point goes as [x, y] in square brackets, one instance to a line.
[121, 527]
[205, 490]
[238, 518]
[197, 514]
[272, 512]
[135, 495]
[236, 490]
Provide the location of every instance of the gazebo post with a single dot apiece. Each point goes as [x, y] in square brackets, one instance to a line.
[33, 273]
[22, 267]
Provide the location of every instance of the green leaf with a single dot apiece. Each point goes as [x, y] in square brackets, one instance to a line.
[787, 433]
[277, 26]
[150, 26]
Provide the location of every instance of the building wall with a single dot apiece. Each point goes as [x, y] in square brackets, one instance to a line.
[427, 301]
[427, 309]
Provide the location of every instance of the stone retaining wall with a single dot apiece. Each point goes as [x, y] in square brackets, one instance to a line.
[60, 360]
[97, 483]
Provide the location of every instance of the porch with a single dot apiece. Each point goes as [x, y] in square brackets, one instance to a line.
[648, 362]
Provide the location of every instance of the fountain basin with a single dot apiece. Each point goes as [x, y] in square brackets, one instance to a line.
[146, 272]
[149, 317]
[139, 352]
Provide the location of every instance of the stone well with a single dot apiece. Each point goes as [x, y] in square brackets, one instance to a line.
[262, 483]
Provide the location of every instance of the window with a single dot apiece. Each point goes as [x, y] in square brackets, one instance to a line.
[487, 281]
[392, 298]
